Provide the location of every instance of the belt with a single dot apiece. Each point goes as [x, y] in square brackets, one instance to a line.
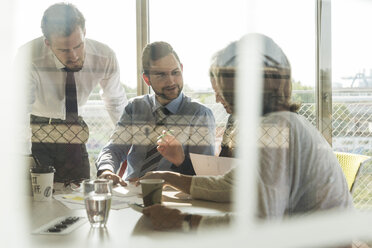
[52, 130]
[39, 119]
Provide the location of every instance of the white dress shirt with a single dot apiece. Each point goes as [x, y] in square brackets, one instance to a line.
[43, 73]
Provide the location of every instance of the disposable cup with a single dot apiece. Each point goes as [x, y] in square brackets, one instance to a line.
[151, 191]
[42, 183]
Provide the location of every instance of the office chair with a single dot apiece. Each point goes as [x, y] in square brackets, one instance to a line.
[351, 164]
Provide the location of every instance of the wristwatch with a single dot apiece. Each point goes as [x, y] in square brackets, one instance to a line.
[186, 223]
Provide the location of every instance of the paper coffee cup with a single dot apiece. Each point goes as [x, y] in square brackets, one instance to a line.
[42, 183]
[151, 191]
[29, 162]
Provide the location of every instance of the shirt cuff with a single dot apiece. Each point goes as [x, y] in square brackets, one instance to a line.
[185, 168]
[102, 168]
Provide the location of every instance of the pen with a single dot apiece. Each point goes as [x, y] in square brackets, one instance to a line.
[170, 132]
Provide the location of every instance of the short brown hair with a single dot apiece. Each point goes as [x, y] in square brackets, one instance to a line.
[61, 19]
[154, 51]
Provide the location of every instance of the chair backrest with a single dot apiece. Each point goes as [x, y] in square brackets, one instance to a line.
[350, 164]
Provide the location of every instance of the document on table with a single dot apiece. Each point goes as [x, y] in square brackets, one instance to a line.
[130, 190]
[205, 165]
[120, 198]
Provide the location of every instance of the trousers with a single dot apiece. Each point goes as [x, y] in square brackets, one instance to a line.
[71, 161]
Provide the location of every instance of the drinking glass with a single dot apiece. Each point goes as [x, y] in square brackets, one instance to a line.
[97, 198]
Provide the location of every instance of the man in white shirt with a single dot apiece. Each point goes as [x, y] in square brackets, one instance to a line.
[60, 70]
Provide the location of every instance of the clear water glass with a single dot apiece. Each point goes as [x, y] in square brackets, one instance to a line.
[97, 198]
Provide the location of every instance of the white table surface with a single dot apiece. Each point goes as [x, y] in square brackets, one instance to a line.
[124, 226]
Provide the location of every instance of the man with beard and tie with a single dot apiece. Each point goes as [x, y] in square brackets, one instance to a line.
[148, 117]
[60, 71]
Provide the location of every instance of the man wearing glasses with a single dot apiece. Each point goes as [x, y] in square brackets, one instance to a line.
[146, 118]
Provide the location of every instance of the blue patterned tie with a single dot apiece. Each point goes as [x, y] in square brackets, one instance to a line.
[153, 157]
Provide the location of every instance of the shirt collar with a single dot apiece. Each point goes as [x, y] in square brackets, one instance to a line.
[173, 106]
[58, 63]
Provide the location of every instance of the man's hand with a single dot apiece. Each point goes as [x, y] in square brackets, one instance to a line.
[164, 218]
[112, 176]
[156, 175]
[170, 148]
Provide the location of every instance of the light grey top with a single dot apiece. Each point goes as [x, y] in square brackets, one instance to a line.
[298, 172]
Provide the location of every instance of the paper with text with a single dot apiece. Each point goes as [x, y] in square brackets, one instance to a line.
[205, 165]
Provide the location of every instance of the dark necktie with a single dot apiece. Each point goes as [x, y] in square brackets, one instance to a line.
[71, 98]
[152, 155]
[73, 163]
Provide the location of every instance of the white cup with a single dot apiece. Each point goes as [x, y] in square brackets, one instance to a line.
[42, 184]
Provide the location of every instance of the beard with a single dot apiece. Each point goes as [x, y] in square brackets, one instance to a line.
[166, 96]
[75, 66]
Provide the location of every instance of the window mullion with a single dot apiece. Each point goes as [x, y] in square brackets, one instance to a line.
[324, 68]
[142, 27]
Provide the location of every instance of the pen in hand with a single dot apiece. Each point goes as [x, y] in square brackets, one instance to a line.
[169, 132]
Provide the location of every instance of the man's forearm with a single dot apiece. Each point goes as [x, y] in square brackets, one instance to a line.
[179, 181]
[110, 157]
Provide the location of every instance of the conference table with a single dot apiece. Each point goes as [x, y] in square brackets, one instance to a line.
[124, 226]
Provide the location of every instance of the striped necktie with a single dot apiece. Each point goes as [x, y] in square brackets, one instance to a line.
[153, 157]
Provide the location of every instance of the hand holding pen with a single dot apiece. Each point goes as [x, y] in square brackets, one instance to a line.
[170, 148]
[166, 133]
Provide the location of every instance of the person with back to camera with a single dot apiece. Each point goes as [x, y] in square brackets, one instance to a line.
[60, 70]
[298, 172]
[146, 117]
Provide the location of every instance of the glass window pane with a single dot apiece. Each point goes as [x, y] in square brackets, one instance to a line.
[352, 88]
[214, 24]
[196, 30]
[294, 32]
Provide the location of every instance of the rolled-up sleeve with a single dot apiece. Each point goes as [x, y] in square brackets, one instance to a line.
[212, 188]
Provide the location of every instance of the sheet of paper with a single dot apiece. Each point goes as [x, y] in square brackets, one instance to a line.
[205, 165]
[130, 190]
[70, 205]
[76, 201]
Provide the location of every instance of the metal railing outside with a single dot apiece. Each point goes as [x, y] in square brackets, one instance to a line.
[351, 124]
